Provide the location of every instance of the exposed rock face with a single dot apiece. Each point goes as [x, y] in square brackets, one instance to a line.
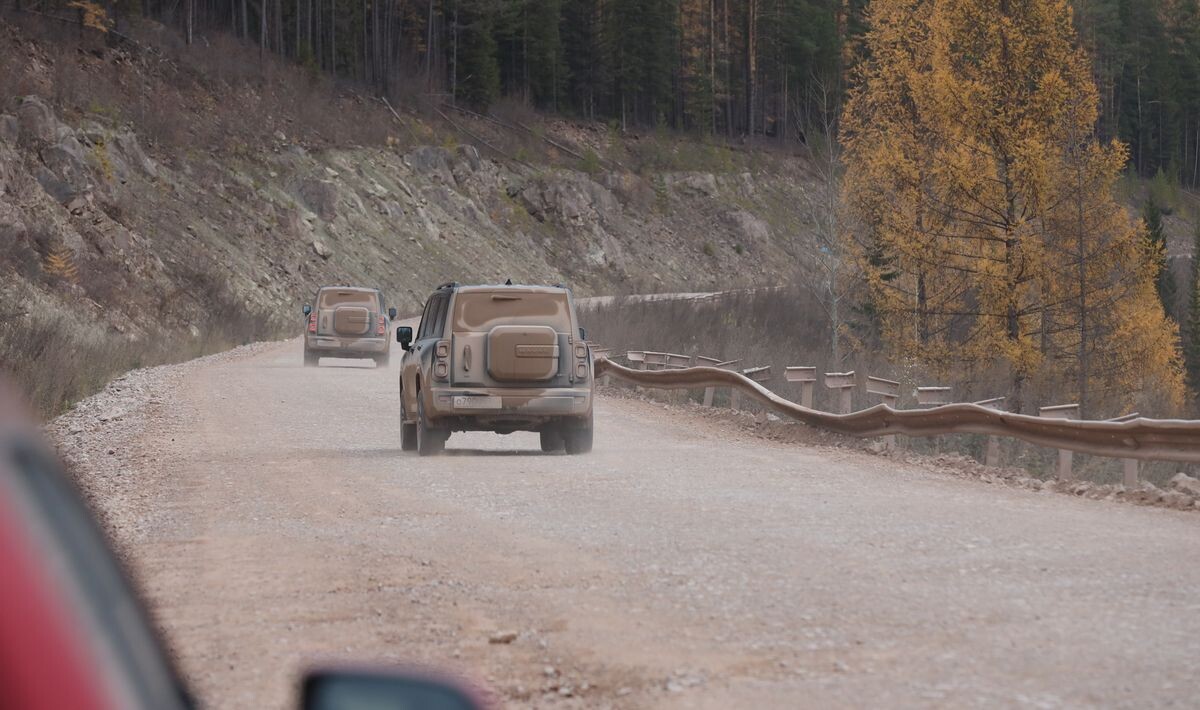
[10, 130]
[35, 121]
[753, 231]
[692, 184]
[157, 242]
[320, 196]
[69, 166]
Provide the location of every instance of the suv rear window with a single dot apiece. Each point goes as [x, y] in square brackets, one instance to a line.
[334, 298]
[480, 311]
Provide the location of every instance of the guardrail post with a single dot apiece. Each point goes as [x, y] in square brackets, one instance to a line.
[889, 392]
[843, 381]
[991, 455]
[807, 377]
[675, 361]
[655, 361]
[702, 361]
[1065, 457]
[637, 360]
[1131, 474]
[933, 397]
[600, 353]
[757, 374]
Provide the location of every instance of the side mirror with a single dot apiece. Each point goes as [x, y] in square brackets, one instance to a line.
[357, 689]
[307, 309]
[404, 336]
[583, 333]
[392, 313]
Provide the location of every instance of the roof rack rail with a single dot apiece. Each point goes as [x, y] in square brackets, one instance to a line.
[448, 284]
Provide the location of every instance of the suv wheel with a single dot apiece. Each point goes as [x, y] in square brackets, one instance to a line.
[382, 360]
[578, 439]
[430, 440]
[552, 439]
[408, 430]
[311, 359]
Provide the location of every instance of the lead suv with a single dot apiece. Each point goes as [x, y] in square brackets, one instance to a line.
[496, 358]
[347, 322]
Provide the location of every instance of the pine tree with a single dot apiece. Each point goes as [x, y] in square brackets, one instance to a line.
[1156, 242]
[547, 70]
[1192, 333]
[60, 264]
[476, 70]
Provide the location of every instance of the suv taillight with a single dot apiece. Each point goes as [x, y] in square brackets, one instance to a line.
[441, 360]
[380, 325]
[312, 322]
[581, 361]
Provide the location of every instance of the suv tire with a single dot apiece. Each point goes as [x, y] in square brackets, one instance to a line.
[578, 439]
[408, 430]
[552, 439]
[382, 361]
[311, 359]
[430, 441]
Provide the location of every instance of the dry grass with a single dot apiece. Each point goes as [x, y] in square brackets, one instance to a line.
[776, 327]
[57, 350]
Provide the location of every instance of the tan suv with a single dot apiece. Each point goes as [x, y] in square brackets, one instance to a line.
[496, 358]
[347, 322]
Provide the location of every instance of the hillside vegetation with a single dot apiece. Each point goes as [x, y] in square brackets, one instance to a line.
[159, 201]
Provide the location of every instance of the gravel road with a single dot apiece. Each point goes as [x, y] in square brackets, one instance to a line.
[273, 522]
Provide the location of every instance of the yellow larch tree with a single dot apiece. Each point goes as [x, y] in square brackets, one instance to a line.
[988, 231]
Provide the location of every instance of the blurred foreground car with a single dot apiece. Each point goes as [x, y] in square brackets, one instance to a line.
[74, 635]
[347, 322]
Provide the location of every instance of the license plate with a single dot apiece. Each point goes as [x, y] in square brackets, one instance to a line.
[477, 403]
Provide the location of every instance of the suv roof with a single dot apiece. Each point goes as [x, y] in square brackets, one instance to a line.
[514, 287]
[527, 288]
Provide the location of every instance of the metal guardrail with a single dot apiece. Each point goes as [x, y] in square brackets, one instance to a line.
[1142, 439]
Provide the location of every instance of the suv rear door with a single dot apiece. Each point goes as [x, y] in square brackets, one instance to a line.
[510, 337]
[348, 313]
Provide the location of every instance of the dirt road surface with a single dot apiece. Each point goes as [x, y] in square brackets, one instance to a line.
[274, 522]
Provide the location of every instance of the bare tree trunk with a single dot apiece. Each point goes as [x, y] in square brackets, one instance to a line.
[728, 71]
[429, 51]
[189, 12]
[712, 64]
[262, 30]
[751, 64]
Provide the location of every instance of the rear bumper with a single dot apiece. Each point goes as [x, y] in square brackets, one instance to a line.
[464, 408]
[335, 346]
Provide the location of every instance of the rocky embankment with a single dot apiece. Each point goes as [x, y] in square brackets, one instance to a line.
[154, 238]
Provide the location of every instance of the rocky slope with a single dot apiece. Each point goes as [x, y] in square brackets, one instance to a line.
[114, 236]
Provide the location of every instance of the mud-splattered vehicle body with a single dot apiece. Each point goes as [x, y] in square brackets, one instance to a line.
[347, 322]
[497, 358]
